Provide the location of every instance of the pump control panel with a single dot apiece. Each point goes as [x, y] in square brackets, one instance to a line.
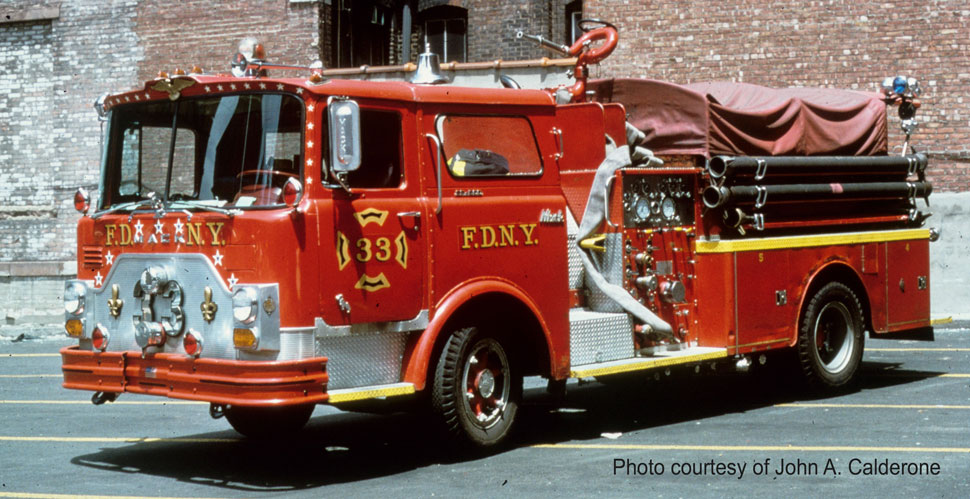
[652, 200]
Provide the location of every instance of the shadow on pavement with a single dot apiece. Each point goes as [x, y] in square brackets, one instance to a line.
[351, 447]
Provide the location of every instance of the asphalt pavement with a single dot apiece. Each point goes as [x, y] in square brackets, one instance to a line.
[902, 431]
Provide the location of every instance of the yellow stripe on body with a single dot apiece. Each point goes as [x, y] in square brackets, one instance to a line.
[353, 395]
[773, 243]
[640, 364]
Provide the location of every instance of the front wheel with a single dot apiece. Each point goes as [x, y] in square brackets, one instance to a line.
[262, 422]
[476, 389]
[831, 336]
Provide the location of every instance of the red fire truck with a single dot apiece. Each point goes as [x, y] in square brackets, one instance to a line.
[267, 244]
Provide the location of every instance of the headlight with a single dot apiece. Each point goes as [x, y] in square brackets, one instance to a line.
[74, 298]
[244, 305]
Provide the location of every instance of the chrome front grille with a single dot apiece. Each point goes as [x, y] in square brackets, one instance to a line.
[192, 274]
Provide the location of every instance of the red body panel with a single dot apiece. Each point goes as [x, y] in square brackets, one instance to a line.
[741, 289]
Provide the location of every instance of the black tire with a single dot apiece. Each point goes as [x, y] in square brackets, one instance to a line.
[476, 390]
[263, 422]
[831, 337]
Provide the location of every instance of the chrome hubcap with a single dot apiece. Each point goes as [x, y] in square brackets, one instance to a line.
[486, 383]
[834, 337]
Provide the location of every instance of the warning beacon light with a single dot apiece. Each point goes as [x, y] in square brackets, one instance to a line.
[907, 88]
[249, 52]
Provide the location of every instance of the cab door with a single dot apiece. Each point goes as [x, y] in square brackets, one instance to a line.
[374, 271]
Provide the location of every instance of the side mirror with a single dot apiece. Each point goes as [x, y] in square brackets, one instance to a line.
[344, 121]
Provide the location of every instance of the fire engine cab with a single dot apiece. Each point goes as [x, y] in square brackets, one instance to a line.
[268, 244]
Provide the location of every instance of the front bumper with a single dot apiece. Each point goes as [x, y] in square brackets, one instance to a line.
[219, 381]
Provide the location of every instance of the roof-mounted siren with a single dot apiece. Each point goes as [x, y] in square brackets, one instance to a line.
[904, 92]
[429, 69]
[249, 59]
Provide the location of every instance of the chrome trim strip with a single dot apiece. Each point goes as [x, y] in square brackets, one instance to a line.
[322, 329]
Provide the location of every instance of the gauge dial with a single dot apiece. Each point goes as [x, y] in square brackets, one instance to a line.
[668, 208]
[642, 209]
[629, 200]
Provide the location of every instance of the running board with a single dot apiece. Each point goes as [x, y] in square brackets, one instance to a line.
[664, 359]
[369, 392]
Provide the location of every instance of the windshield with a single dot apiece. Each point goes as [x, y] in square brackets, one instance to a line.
[235, 150]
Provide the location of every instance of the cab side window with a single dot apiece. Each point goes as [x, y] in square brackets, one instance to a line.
[381, 144]
[495, 146]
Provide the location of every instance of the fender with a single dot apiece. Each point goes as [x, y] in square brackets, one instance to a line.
[813, 275]
[418, 358]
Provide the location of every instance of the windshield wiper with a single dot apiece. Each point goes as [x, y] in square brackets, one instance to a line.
[201, 205]
[121, 207]
[160, 210]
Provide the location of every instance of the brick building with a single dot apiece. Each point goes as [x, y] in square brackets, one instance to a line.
[56, 57]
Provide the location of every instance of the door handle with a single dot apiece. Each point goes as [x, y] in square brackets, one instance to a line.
[414, 215]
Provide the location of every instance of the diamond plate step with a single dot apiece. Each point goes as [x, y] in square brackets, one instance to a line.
[599, 337]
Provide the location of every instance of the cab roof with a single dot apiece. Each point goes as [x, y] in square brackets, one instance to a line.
[195, 85]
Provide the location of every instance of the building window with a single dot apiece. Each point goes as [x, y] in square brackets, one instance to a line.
[445, 29]
[574, 12]
[362, 32]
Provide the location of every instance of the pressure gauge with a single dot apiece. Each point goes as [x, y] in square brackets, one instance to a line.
[642, 209]
[629, 200]
[668, 208]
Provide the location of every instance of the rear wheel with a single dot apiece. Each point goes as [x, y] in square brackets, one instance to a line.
[831, 336]
[261, 422]
[476, 389]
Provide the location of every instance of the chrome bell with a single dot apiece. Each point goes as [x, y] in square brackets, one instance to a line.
[429, 69]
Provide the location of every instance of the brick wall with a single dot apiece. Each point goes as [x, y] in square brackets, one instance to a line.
[832, 43]
[206, 32]
[492, 25]
[57, 60]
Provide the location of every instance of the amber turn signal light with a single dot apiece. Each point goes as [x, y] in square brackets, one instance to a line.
[244, 338]
[74, 328]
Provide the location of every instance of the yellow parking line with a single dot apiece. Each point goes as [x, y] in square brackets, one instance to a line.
[924, 349]
[875, 406]
[119, 440]
[30, 495]
[758, 448]
[893, 374]
[86, 402]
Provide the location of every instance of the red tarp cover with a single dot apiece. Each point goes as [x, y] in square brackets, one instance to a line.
[744, 119]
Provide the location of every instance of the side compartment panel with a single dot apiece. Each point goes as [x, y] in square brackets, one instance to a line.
[908, 284]
[765, 314]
